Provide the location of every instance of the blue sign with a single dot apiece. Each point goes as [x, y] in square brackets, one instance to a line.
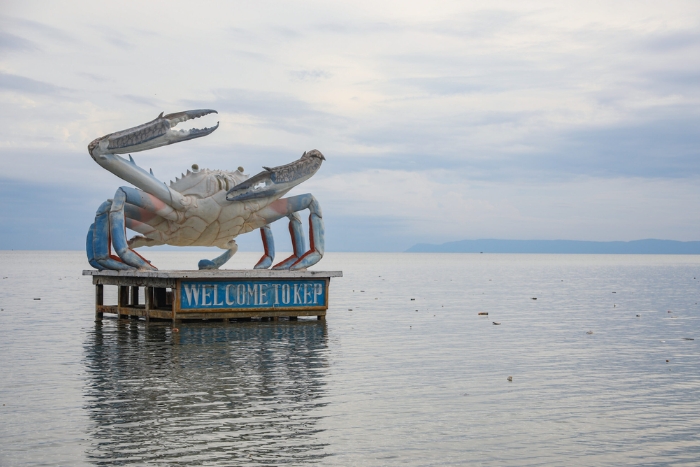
[252, 294]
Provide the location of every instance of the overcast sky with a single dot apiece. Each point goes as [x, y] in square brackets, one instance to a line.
[440, 121]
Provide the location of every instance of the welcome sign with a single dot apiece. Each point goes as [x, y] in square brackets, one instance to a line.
[258, 294]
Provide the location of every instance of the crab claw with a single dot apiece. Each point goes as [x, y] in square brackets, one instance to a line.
[276, 180]
[154, 134]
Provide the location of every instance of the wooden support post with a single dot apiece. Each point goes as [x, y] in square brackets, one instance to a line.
[134, 295]
[321, 317]
[148, 300]
[99, 300]
[175, 302]
[293, 318]
[122, 299]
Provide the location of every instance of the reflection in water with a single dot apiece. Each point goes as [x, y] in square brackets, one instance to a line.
[212, 394]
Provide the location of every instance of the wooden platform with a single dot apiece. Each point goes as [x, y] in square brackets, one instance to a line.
[214, 294]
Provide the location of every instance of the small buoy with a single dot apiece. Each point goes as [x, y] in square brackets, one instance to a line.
[483, 313]
[669, 311]
[496, 324]
[638, 316]
[37, 299]
[614, 292]
[589, 332]
[176, 330]
[361, 290]
[510, 378]
[349, 309]
[412, 299]
[667, 361]
[534, 298]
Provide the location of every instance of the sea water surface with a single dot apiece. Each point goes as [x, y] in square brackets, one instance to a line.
[602, 350]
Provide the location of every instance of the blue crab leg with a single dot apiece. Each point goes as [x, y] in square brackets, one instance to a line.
[90, 249]
[298, 243]
[289, 207]
[219, 261]
[101, 240]
[269, 245]
[118, 231]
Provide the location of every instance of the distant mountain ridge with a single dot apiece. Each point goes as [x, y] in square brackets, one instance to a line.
[648, 246]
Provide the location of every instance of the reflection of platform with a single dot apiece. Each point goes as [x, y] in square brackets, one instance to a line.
[214, 294]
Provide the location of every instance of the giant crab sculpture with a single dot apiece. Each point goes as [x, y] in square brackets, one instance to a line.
[203, 208]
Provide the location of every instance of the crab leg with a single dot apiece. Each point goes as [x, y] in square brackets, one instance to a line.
[219, 261]
[289, 207]
[298, 243]
[269, 245]
[118, 233]
[101, 241]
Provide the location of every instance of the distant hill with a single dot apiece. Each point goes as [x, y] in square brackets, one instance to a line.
[650, 246]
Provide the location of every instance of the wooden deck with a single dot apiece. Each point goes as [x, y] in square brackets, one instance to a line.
[214, 294]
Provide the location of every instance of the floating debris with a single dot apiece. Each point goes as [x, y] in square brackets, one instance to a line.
[37, 299]
[638, 316]
[614, 292]
[361, 290]
[483, 313]
[534, 298]
[510, 378]
[669, 311]
[688, 339]
[589, 332]
[412, 299]
[496, 324]
[668, 361]
[349, 309]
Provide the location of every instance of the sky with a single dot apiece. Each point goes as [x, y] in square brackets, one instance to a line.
[440, 121]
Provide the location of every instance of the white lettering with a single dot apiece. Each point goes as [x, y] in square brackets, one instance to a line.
[307, 292]
[253, 292]
[277, 298]
[318, 291]
[285, 294]
[216, 296]
[205, 295]
[240, 294]
[263, 294]
[297, 297]
[192, 292]
[230, 297]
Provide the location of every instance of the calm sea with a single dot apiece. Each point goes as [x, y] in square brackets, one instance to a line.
[605, 367]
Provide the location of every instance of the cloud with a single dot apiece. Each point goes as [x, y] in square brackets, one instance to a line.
[16, 83]
[309, 75]
[545, 119]
[10, 42]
